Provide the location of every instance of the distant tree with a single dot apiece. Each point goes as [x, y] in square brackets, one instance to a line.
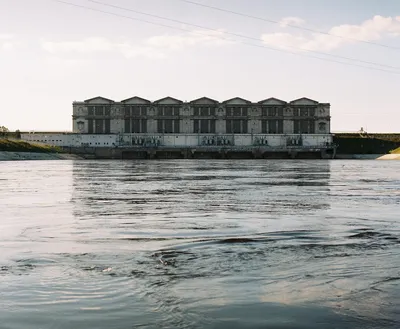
[17, 134]
[4, 131]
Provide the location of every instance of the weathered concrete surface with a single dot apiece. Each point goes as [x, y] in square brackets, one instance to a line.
[207, 152]
[13, 156]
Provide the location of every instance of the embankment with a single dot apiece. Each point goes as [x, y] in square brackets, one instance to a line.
[13, 156]
[13, 149]
[366, 144]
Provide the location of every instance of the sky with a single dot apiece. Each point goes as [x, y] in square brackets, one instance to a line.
[53, 53]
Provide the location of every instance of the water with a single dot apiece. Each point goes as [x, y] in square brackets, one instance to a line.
[200, 244]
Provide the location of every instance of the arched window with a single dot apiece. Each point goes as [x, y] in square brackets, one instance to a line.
[322, 127]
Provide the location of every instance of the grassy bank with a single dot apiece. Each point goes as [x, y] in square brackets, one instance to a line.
[395, 151]
[13, 145]
[367, 143]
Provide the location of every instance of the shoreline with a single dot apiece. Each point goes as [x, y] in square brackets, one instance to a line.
[35, 156]
[32, 156]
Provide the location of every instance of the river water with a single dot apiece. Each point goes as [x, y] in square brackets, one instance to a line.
[200, 244]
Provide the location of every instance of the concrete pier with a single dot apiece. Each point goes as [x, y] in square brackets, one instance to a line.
[203, 152]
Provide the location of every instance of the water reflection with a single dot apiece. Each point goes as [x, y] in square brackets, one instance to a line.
[211, 244]
[172, 189]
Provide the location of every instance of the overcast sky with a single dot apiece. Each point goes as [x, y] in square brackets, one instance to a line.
[53, 53]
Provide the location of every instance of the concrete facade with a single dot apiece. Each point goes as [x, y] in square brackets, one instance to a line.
[100, 115]
[138, 128]
[180, 140]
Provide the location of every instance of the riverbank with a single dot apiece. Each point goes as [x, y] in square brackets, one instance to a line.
[14, 156]
[366, 144]
[14, 149]
[17, 145]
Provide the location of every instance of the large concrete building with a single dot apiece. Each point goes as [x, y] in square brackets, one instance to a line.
[136, 127]
[201, 116]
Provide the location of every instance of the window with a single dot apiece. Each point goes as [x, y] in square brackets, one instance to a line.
[144, 126]
[168, 111]
[91, 110]
[204, 111]
[160, 128]
[81, 125]
[136, 126]
[127, 125]
[107, 126]
[272, 126]
[135, 111]
[204, 126]
[244, 126]
[176, 126]
[312, 127]
[212, 126]
[304, 126]
[264, 126]
[304, 112]
[236, 126]
[264, 111]
[280, 126]
[90, 126]
[107, 110]
[322, 127]
[272, 112]
[168, 126]
[99, 126]
[99, 110]
[237, 111]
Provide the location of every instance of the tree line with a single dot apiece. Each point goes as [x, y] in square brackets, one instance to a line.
[5, 132]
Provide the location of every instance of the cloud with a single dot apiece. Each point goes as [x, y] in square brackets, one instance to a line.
[198, 38]
[153, 47]
[98, 44]
[370, 30]
[7, 42]
[293, 21]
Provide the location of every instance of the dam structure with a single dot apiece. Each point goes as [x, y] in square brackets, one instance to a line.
[201, 128]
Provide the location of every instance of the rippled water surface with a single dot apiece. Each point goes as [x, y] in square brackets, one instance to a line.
[200, 244]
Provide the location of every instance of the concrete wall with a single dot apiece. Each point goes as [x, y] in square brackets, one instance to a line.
[186, 126]
[254, 126]
[173, 140]
[220, 126]
[288, 126]
[72, 139]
